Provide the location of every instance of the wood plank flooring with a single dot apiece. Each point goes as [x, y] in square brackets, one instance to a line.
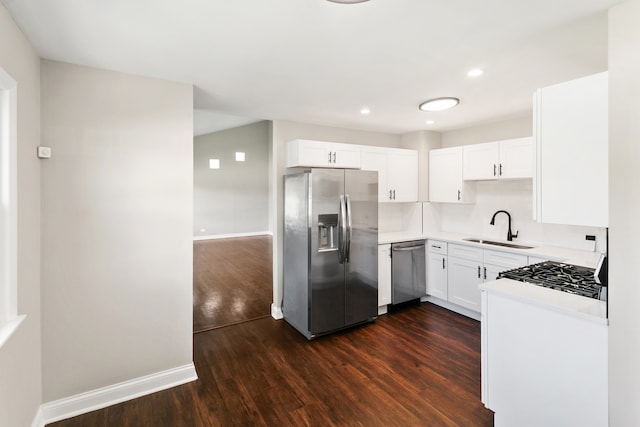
[232, 281]
[419, 366]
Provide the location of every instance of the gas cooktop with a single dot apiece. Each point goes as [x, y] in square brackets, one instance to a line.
[570, 278]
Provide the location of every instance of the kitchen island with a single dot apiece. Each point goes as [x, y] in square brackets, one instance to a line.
[544, 356]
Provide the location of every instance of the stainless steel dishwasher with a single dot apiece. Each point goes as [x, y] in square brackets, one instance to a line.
[408, 272]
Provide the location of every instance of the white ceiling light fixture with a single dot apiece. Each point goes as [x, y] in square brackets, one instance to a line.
[347, 1]
[429, 122]
[475, 72]
[439, 104]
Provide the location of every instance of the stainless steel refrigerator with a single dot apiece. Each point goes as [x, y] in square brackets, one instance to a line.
[330, 249]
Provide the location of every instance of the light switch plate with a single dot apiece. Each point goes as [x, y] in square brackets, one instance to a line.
[44, 152]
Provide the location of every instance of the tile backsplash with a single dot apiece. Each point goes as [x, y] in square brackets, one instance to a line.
[516, 198]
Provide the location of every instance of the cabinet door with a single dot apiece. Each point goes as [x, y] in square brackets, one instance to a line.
[403, 175]
[464, 277]
[445, 175]
[516, 158]
[490, 272]
[384, 275]
[572, 152]
[437, 275]
[303, 152]
[480, 161]
[345, 156]
[375, 159]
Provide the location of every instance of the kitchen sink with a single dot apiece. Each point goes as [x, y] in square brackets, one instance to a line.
[493, 242]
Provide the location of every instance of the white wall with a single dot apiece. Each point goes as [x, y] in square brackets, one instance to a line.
[423, 141]
[235, 198]
[117, 211]
[284, 131]
[505, 129]
[624, 214]
[20, 357]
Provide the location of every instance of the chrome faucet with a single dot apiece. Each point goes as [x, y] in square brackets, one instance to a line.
[510, 236]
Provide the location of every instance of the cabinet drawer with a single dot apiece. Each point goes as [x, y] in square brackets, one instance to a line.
[504, 259]
[437, 247]
[466, 252]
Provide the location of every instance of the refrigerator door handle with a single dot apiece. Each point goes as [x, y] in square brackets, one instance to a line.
[347, 245]
[342, 230]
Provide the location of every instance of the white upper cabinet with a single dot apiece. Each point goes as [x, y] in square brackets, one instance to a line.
[397, 172]
[446, 184]
[571, 131]
[508, 159]
[308, 153]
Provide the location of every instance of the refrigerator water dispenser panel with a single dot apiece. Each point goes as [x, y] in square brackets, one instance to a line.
[327, 232]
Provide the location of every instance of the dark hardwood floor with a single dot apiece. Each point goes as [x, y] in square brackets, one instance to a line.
[419, 366]
[232, 281]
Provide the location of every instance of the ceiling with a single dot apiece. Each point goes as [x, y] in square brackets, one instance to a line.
[319, 62]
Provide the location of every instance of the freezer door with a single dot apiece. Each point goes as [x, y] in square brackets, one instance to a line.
[361, 287]
[326, 274]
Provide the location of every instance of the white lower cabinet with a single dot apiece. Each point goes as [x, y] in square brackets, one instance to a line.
[437, 264]
[470, 266]
[542, 366]
[384, 275]
[464, 278]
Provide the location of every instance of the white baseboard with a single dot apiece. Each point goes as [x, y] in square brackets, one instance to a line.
[229, 236]
[38, 420]
[106, 396]
[453, 307]
[276, 312]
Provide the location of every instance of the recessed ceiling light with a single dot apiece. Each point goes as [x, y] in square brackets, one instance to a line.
[347, 1]
[475, 72]
[439, 104]
[429, 122]
[365, 111]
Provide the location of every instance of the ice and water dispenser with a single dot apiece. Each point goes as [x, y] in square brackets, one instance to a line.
[327, 232]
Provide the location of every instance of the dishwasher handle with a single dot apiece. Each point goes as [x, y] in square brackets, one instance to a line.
[407, 248]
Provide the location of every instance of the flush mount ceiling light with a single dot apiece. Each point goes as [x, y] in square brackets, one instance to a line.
[439, 104]
[347, 1]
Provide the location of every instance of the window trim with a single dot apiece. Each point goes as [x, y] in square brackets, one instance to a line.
[9, 319]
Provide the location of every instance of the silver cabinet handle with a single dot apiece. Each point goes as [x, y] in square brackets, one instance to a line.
[485, 273]
[494, 169]
[329, 157]
[443, 267]
[394, 194]
[436, 246]
[408, 248]
[458, 195]
[390, 195]
[500, 169]
[334, 157]
[479, 272]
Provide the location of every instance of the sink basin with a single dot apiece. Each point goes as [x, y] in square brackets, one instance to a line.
[493, 242]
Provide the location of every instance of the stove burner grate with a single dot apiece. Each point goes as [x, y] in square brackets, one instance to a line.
[573, 279]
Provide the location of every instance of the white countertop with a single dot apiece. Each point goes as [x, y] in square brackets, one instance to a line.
[574, 305]
[555, 253]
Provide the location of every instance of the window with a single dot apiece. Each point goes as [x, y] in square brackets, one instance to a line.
[9, 319]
